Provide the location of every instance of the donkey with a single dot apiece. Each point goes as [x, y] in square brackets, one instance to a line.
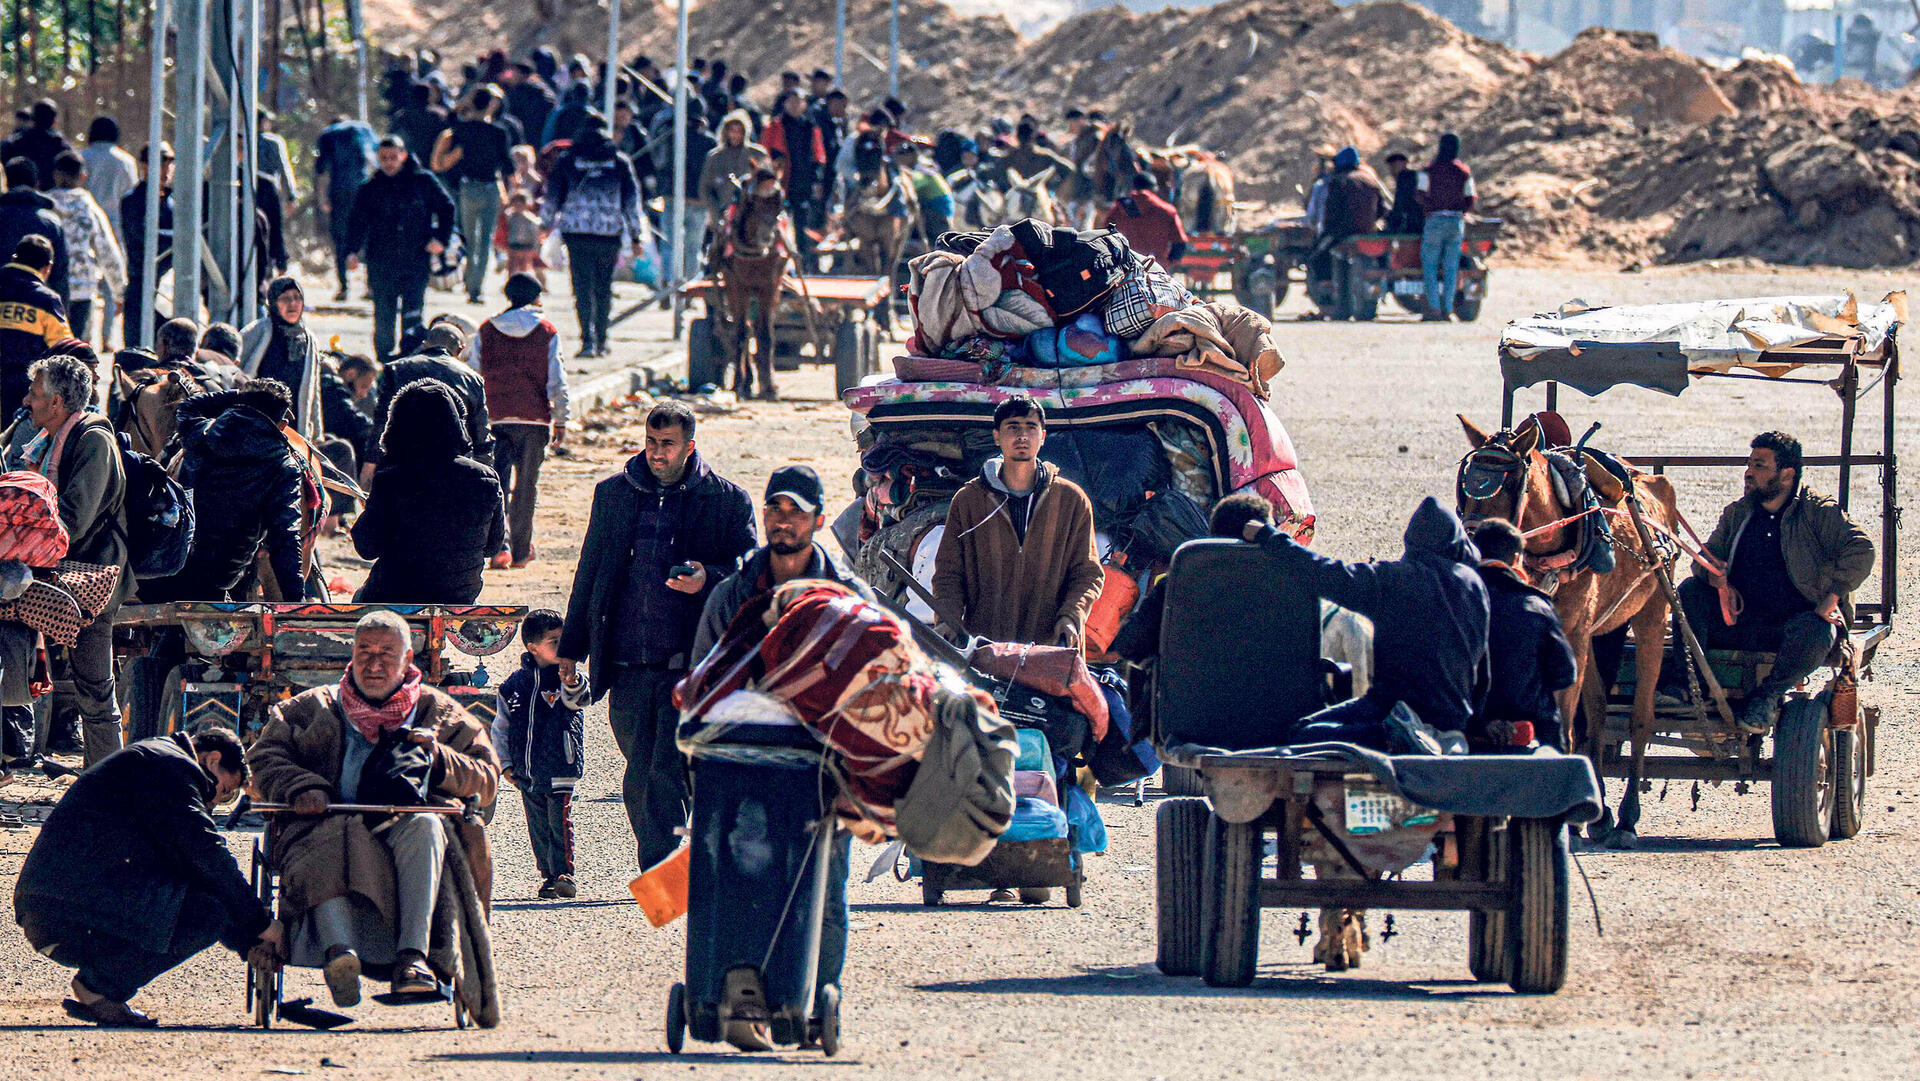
[750, 255]
[1589, 604]
[881, 210]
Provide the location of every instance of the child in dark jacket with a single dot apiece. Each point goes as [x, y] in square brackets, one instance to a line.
[539, 736]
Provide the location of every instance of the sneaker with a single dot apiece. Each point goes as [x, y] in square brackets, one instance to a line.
[340, 297]
[1001, 894]
[586, 353]
[343, 976]
[565, 887]
[548, 890]
[1760, 715]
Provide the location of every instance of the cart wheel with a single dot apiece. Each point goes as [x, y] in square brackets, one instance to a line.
[1180, 843]
[1487, 956]
[1849, 781]
[869, 351]
[1181, 781]
[931, 895]
[1803, 776]
[1537, 926]
[703, 355]
[1466, 310]
[1230, 942]
[677, 1018]
[1361, 305]
[829, 1020]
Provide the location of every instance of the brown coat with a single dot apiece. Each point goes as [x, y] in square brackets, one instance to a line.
[300, 750]
[985, 579]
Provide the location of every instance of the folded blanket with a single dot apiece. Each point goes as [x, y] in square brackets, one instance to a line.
[1230, 340]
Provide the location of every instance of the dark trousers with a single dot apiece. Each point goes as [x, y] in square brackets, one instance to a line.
[590, 260]
[116, 967]
[88, 663]
[337, 233]
[16, 732]
[549, 826]
[79, 317]
[800, 209]
[518, 450]
[1801, 642]
[133, 312]
[399, 294]
[1358, 721]
[654, 786]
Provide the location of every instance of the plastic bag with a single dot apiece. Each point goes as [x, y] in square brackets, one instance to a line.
[1090, 833]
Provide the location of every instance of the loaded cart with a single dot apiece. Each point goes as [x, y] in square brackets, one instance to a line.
[1823, 745]
[1492, 827]
[843, 319]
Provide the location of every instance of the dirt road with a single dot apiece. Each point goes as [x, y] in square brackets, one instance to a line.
[1723, 956]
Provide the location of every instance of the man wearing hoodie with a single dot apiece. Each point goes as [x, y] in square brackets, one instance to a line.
[1017, 562]
[593, 201]
[402, 219]
[1429, 611]
[517, 354]
[734, 157]
[660, 537]
[439, 359]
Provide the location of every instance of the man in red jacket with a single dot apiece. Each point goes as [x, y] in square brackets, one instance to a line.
[1446, 193]
[1150, 224]
[517, 354]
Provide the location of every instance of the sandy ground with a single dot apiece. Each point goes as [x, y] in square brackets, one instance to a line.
[1722, 956]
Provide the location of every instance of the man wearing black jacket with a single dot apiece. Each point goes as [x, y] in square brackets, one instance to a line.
[26, 212]
[661, 536]
[402, 219]
[1528, 652]
[438, 358]
[129, 877]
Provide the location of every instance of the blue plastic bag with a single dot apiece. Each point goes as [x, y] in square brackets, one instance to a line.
[1084, 815]
[1038, 820]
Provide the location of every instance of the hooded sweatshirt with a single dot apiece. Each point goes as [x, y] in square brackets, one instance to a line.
[517, 354]
[1011, 580]
[592, 191]
[726, 162]
[1429, 611]
[271, 348]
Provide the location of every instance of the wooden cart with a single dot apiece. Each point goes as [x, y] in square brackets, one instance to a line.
[837, 319]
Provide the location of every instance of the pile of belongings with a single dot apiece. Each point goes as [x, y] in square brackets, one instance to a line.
[914, 752]
[1035, 295]
[43, 595]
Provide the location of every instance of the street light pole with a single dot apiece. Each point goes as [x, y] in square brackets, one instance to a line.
[190, 109]
[840, 43]
[893, 48]
[612, 89]
[150, 234]
[679, 213]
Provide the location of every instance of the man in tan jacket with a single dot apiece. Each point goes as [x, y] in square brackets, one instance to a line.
[1017, 562]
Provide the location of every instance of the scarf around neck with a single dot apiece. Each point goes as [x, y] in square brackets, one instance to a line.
[372, 720]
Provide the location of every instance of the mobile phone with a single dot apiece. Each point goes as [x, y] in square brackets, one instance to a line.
[681, 570]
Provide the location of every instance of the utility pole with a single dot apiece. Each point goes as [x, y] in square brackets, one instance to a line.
[190, 113]
[679, 214]
[150, 236]
[612, 89]
[357, 29]
[893, 48]
[840, 43]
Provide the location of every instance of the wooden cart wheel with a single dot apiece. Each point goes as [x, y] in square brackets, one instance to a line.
[1487, 956]
[1849, 781]
[1180, 842]
[1537, 926]
[1230, 944]
[1803, 774]
[677, 1018]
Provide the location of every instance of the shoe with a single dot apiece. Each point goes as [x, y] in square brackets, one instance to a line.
[547, 891]
[585, 353]
[1760, 714]
[1432, 317]
[343, 976]
[412, 976]
[108, 1014]
[501, 561]
[340, 297]
[1000, 895]
[475, 300]
[565, 887]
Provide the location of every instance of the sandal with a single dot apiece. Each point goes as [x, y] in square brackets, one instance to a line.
[412, 976]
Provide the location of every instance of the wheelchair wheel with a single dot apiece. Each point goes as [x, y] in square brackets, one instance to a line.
[677, 1018]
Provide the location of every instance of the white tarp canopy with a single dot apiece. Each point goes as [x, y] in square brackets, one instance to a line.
[1713, 335]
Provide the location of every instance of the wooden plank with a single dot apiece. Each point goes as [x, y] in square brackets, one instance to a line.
[1675, 768]
[1352, 893]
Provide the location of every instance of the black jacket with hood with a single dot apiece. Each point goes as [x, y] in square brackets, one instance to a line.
[433, 516]
[1529, 658]
[1429, 611]
[394, 217]
[24, 213]
[453, 373]
[710, 520]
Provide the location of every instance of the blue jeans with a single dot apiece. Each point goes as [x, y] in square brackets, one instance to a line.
[479, 209]
[1440, 258]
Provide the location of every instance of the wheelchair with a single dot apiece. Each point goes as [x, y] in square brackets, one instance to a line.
[465, 990]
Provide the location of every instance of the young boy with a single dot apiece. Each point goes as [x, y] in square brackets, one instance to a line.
[538, 734]
[519, 232]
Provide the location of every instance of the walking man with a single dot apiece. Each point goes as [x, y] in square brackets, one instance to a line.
[480, 168]
[402, 219]
[94, 257]
[342, 162]
[660, 537]
[517, 354]
[1445, 192]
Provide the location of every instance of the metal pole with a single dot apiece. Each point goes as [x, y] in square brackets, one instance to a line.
[245, 298]
[840, 43]
[357, 27]
[189, 123]
[1839, 46]
[613, 63]
[150, 238]
[679, 211]
[893, 48]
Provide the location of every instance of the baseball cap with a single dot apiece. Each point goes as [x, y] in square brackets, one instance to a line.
[798, 483]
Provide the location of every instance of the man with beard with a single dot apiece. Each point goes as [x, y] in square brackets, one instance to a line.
[660, 537]
[1790, 561]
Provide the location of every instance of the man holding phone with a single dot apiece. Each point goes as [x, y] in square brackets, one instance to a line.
[661, 535]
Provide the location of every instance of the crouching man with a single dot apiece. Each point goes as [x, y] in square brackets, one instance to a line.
[361, 888]
[129, 877]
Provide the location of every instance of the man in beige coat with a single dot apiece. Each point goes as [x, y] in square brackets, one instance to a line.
[357, 887]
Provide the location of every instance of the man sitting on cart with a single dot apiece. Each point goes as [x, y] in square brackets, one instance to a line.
[361, 887]
[1790, 560]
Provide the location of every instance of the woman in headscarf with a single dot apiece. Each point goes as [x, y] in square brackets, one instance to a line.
[434, 516]
[279, 347]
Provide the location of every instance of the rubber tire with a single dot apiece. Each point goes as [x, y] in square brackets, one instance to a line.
[1487, 955]
[1360, 307]
[1537, 927]
[847, 357]
[1849, 782]
[1230, 943]
[1255, 291]
[869, 350]
[1800, 771]
[1179, 846]
[1467, 310]
[830, 1021]
[676, 1018]
[703, 355]
[1181, 781]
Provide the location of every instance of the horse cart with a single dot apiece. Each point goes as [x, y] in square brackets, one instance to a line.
[1347, 281]
[188, 665]
[842, 319]
[1822, 748]
[1491, 827]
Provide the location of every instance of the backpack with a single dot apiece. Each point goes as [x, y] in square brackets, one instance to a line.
[159, 511]
[1075, 269]
[30, 529]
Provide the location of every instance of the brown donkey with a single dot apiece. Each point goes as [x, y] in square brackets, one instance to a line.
[1589, 603]
[751, 253]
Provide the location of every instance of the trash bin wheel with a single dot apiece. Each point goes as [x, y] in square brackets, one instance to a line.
[1803, 774]
[1180, 841]
[1230, 945]
[829, 1021]
[677, 1018]
[1537, 924]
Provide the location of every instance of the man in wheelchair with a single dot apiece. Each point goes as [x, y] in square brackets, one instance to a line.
[369, 889]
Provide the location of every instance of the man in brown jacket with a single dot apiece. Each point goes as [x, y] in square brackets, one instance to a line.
[1017, 562]
[1792, 560]
[351, 888]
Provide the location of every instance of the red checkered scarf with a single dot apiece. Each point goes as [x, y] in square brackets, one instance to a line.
[372, 720]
